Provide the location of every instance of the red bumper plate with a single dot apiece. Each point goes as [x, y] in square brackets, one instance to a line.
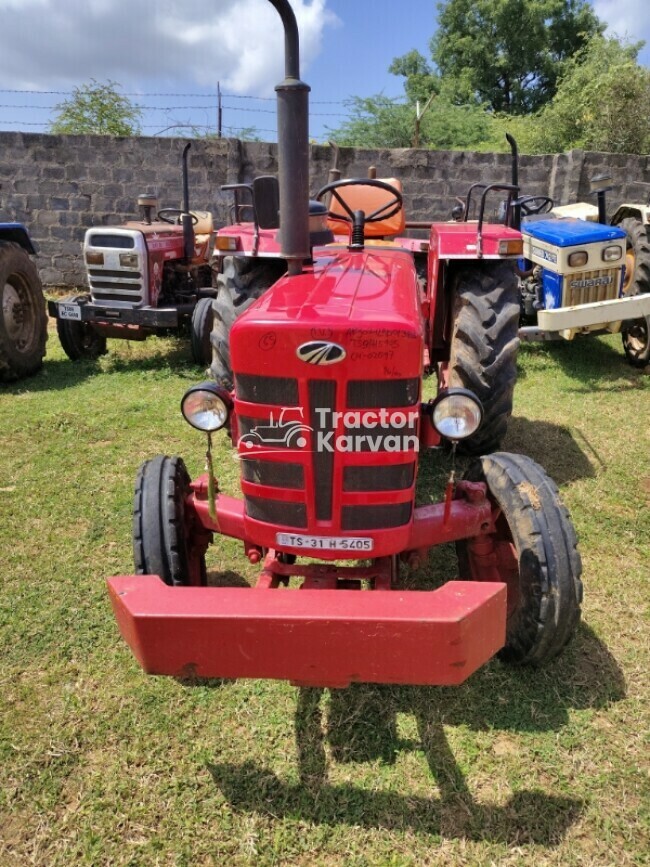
[311, 637]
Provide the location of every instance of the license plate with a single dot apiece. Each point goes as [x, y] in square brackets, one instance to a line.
[69, 311]
[324, 543]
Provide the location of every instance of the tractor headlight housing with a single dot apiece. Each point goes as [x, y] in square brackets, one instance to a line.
[612, 253]
[206, 406]
[456, 413]
[578, 259]
[129, 260]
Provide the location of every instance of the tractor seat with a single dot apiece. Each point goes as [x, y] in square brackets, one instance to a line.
[204, 225]
[367, 199]
[203, 232]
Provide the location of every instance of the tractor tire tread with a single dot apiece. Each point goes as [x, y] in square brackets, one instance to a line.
[16, 364]
[484, 345]
[78, 339]
[241, 282]
[201, 329]
[158, 532]
[548, 555]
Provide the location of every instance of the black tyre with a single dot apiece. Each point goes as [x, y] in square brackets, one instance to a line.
[162, 542]
[202, 317]
[484, 345]
[240, 283]
[536, 555]
[637, 261]
[636, 341]
[79, 339]
[23, 318]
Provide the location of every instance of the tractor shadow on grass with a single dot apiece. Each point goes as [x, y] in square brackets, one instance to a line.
[554, 447]
[360, 724]
[596, 365]
[170, 357]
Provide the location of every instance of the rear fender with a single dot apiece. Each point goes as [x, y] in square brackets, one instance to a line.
[637, 212]
[18, 234]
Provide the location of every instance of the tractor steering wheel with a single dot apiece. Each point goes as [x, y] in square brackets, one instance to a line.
[166, 214]
[383, 212]
[535, 205]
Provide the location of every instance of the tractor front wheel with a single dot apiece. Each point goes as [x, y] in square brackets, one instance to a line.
[484, 344]
[163, 541]
[535, 555]
[79, 339]
[636, 341]
[23, 320]
[240, 283]
[202, 318]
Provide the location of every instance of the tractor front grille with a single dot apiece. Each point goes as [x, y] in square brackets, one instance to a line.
[109, 285]
[276, 390]
[313, 471]
[588, 287]
[376, 517]
[382, 393]
[395, 477]
[277, 512]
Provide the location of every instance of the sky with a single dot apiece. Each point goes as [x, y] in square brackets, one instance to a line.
[159, 49]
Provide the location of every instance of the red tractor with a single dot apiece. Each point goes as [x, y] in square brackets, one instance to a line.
[338, 345]
[145, 277]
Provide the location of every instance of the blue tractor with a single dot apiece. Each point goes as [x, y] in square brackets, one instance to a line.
[23, 317]
[572, 278]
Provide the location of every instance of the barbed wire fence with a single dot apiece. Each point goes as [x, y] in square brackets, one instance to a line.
[211, 114]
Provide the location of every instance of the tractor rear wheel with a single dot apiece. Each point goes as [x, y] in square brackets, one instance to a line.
[536, 556]
[636, 341]
[637, 261]
[162, 542]
[79, 339]
[202, 317]
[484, 344]
[240, 283]
[23, 320]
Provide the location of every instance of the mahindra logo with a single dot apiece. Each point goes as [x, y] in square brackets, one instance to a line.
[320, 352]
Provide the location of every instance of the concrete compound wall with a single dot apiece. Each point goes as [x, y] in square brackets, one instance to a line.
[60, 185]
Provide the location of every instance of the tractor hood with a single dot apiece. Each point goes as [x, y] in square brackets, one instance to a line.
[366, 302]
[569, 232]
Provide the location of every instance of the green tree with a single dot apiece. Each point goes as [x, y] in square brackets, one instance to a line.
[508, 54]
[602, 103]
[97, 108]
[421, 80]
[381, 122]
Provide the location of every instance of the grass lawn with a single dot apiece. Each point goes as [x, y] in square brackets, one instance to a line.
[100, 764]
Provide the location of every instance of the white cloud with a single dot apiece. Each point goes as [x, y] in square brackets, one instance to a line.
[45, 43]
[626, 19]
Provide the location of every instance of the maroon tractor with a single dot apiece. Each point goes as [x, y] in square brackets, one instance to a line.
[146, 277]
[337, 346]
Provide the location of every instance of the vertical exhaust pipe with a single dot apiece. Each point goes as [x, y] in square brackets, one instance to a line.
[514, 150]
[186, 217]
[293, 147]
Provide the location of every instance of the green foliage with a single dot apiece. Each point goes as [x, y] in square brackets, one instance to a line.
[602, 103]
[381, 122]
[508, 54]
[421, 80]
[97, 108]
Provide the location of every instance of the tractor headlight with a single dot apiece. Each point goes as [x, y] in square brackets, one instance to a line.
[206, 406]
[456, 413]
[611, 254]
[578, 259]
[129, 260]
